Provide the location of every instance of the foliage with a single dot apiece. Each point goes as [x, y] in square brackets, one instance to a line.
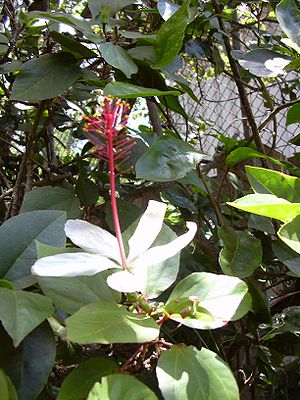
[221, 319]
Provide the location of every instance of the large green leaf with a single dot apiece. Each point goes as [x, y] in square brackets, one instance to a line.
[30, 364]
[187, 373]
[289, 233]
[167, 159]
[52, 198]
[8, 392]
[106, 322]
[241, 254]
[17, 242]
[119, 58]
[267, 181]
[213, 300]
[79, 382]
[267, 205]
[45, 77]
[129, 91]
[21, 312]
[116, 387]
[264, 62]
[288, 17]
[170, 36]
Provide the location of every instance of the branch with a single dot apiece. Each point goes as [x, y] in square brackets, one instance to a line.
[276, 111]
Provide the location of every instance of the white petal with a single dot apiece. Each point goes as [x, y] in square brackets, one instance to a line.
[93, 239]
[72, 264]
[147, 230]
[124, 281]
[157, 254]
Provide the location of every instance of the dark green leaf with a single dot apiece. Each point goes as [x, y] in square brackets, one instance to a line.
[73, 45]
[52, 198]
[30, 364]
[106, 322]
[119, 58]
[21, 312]
[86, 190]
[79, 382]
[127, 90]
[241, 254]
[293, 115]
[117, 387]
[17, 243]
[287, 256]
[170, 36]
[167, 159]
[45, 77]
[187, 373]
[260, 304]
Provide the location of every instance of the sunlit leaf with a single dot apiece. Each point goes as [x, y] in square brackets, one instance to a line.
[187, 373]
[106, 322]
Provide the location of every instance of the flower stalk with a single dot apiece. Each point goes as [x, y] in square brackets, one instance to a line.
[107, 132]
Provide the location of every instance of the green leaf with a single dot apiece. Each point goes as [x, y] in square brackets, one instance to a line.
[79, 382]
[264, 62]
[267, 181]
[17, 243]
[129, 91]
[288, 17]
[52, 198]
[267, 205]
[260, 303]
[116, 387]
[170, 36]
[242, 252]
[187, 373]
[30, 364]
[241, 154]
[287, 256]
[86, 190]
[45, 77]
[21, 312]
[74, 45]
[224, 298]
[119, 58]
[260, 223]
[8, 391]
[289, 233]
[167, 159]
[105, 322]
[293, 115]
[71, 293]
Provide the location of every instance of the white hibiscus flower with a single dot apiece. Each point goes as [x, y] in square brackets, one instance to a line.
[101, 251]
